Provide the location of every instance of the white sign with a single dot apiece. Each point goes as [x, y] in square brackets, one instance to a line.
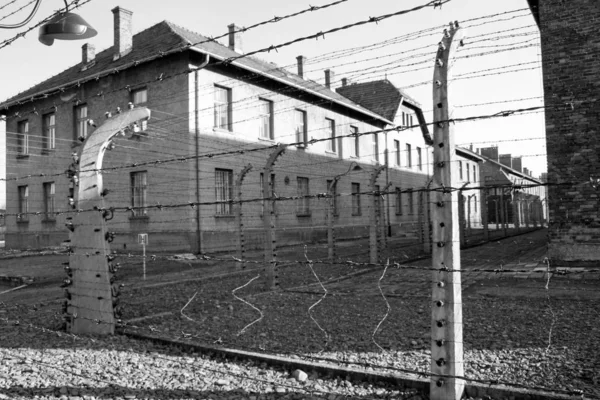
[143, 238]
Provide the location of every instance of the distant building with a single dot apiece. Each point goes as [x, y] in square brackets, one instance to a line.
[523, 196]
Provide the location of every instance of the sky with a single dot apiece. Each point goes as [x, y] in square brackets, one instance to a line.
[405, 60]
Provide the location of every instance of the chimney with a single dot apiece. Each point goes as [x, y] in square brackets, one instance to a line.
[88, 53]
[517, 163]
[123, 32]
[471, 147]
[329, 78]
[490, 152]
[235, 38]
[301, 62]
[526, 171]
[346, 81]
[506, 159]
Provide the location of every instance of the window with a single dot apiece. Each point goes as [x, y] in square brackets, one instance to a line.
[375, 147]
[223, 190]
[354, 142]
[355, 198]
[460, 173]
[330, 132]
[397, 153]
[265, 113]
[303, 202]
[49, 192]
[23, 137]
[139, 193]
[408, 155]
[488, 178]
[468, 171]
[398, 201]
[475, 203]
[23, 193]
[81, 118]
[301, 128]
[419, 159]
[222, 108]
[411, 203]
[49, 132]
[139, 96]
[474, 173]
[333, 191]
[272, 194]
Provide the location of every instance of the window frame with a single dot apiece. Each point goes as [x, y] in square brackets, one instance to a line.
[49, 193]
[408, 155]
[398, 199]
[397, 161]
[460, 170]
[23, 203]
[375, 147]
[23, 138]
[134, 92]
[218, 111]
[354, 141]
[301, 136]
[419, 158]
[330, 145]
[81, 123]
[139, 194]
[48, 132]
[355, 199]
[266, 119]
[223, 192]
[303, 202]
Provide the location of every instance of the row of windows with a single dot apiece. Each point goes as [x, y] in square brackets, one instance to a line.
[223, 107]
[80, 126]
[408, 150]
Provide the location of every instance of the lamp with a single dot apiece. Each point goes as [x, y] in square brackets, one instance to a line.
[65, 26]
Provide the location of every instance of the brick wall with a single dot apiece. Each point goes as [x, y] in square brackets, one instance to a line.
[570, 43]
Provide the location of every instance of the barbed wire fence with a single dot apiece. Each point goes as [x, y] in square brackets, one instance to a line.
[345, 242]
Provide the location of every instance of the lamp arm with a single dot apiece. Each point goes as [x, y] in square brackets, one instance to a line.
[20, 24]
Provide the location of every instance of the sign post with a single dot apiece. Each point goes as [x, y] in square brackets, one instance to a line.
[143, 240]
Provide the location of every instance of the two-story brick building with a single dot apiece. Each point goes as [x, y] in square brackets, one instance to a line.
[202, 108]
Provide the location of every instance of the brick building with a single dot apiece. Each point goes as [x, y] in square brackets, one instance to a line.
[240, 106]
[570, 57]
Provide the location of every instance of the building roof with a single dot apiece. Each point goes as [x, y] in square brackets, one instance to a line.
[469, 154]
[508, 170]
[165, 38]
[381, 97]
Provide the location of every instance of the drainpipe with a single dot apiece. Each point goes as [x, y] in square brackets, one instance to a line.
[197, 152]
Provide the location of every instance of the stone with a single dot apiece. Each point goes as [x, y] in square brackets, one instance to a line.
[300, 375]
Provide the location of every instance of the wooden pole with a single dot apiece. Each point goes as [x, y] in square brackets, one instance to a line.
[269, 221]
[241, 242]
[484, 214]
[446, 321]
[331, 191]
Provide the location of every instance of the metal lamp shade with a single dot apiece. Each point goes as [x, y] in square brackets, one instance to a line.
[68, 26]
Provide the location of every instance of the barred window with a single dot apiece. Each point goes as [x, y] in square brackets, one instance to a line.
[139, 96]
[139, 193]
[224, 190]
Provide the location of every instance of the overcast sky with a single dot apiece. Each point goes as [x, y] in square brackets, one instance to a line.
[27, 62]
